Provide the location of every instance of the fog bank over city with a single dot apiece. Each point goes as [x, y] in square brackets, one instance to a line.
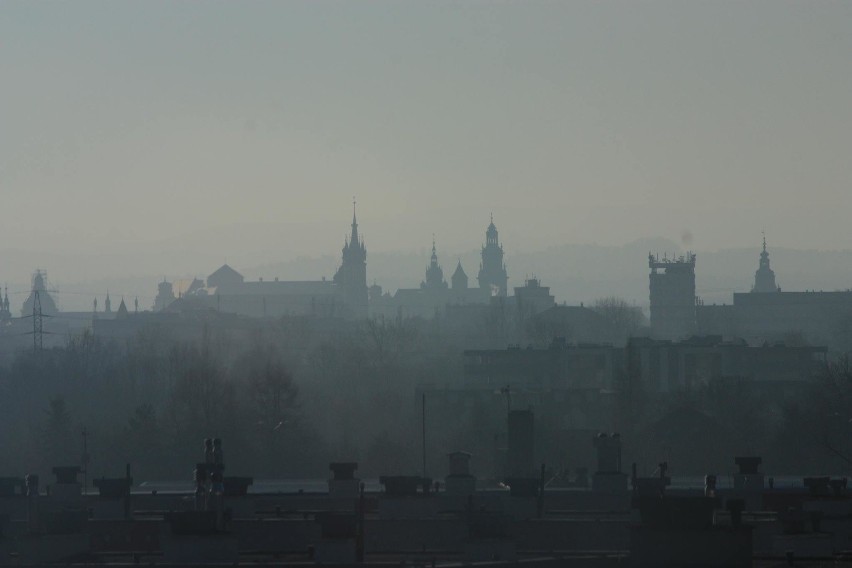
[503, 283]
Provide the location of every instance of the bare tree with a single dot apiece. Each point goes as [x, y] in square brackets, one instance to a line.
[623, 320]
[272, 403]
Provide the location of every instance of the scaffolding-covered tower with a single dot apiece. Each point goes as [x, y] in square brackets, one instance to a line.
[672, 284]
[40, 289]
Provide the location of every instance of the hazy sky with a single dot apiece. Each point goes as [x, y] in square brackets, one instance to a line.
[604, 122]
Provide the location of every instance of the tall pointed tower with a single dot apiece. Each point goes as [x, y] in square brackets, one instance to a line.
[351, 277]
[434, 273]
[764, 277]
[492, 270]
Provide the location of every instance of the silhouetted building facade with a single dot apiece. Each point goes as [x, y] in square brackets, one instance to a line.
[434, 273]
[432, 297]
[766, 314]
[669, 366]
[165, 296]
[764, 277]
[672, 286]
[122, 312]
[225, 278]
[533, 298]
[655, 366]
[577, 324]
[227, 291]
[351, 277]
[560, 366]
[492, 271]
[459, 278]
[260, 298]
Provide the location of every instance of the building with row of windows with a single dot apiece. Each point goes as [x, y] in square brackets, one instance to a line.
[658, 366]
[764, 314]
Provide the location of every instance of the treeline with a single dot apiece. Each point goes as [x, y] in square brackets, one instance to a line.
[285, 397]
[801, 428]
[289, 396]
[149, 403]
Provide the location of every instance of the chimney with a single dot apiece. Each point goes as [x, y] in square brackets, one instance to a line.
[460, 481]
[343, 484]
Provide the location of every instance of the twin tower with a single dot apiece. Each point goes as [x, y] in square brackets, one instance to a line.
[351, 277]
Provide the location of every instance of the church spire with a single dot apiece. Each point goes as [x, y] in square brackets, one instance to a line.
[764, 256]
[122, 309]
[354, 238]
[764, 277]
[492, 270]
[351, 276]
[434, 273]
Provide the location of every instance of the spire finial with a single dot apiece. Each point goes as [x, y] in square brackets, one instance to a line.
[764, 239]
[353, 238]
